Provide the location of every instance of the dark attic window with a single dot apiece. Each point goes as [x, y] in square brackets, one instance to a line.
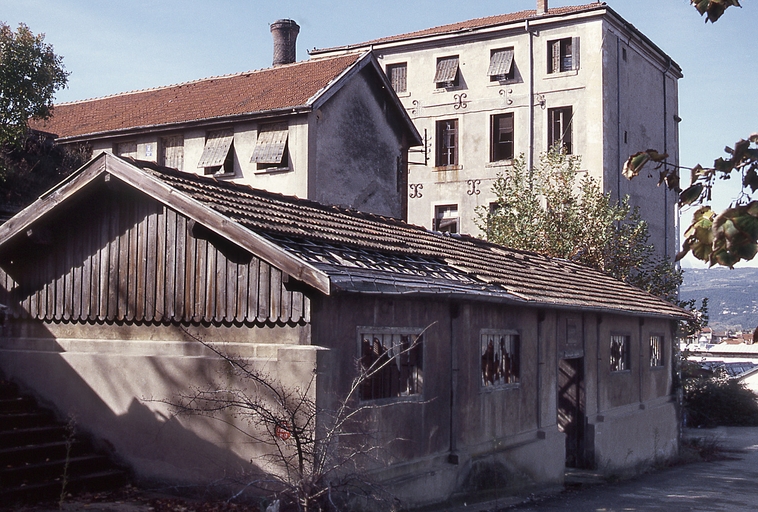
[501, 359]
[391, 362]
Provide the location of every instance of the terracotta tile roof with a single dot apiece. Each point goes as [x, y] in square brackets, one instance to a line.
[271, 89]
[363, 252]
[477, 23]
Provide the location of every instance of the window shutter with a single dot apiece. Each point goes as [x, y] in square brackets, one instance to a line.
[271, 143]
[575, 53]
[555, 55]
[216, 148]
[447, 69]
[500, 63]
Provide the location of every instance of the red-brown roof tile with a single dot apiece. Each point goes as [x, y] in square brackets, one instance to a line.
[271, 89]
[477, 23]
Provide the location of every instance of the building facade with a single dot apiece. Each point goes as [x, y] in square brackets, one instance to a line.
[502, 366]
[290, 129]
[484, 91]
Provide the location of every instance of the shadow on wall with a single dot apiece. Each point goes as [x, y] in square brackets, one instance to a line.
[113, 390]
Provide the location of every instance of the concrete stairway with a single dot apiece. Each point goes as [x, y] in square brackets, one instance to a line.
[38, 454]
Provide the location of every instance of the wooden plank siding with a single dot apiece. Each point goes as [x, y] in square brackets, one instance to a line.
[124, 257]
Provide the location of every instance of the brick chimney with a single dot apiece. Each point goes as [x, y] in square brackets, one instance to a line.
[285, 34]
[541, 7]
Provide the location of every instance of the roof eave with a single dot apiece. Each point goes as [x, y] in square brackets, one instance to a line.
[167, 127]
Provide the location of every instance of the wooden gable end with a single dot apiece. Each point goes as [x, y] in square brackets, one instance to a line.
[117, 255]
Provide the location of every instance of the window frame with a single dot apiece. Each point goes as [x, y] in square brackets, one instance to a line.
[623, 363]
[269, 165]
[511, 74]
[126, 154]
[495, 136]
[562, 131]
[442, 80]
[657, 360]
[225, 168]
[162, 146]
[562, 55]
[440, 211]
[510, 381]
[446, 156]
[391, 372]
[396, 66]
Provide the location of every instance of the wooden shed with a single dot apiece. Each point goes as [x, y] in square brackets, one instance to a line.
[524, 364]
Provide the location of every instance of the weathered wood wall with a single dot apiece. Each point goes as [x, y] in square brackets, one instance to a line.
[119, 256]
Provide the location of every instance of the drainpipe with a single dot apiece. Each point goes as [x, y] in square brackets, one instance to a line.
[540, 320]
[618, 115]
[665, 150]
[530, 152]
[453, 456]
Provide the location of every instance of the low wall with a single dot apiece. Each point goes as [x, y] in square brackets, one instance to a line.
[117, 389]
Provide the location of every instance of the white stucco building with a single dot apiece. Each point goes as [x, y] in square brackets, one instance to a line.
[486, 90]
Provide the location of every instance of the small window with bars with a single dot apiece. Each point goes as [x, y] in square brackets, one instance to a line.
[500, 358]
[620, 360]
[391, 362]
[398, 75]
[656, 350]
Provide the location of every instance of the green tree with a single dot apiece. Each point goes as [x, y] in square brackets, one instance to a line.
[30, 162]
[552, 211]
[30, 74]
[722, 238]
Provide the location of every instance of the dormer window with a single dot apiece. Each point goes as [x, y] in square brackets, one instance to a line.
[218, 153]
[501, 65]
[447, 74]
[270, 151]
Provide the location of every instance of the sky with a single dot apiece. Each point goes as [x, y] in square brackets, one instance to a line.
[116, 46]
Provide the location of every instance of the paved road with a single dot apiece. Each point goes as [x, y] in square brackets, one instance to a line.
[708, 486]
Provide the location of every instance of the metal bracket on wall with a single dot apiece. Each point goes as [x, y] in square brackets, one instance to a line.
[539, 99]
[416, 190]
[474, 187]
[506, 94]
[460, 101]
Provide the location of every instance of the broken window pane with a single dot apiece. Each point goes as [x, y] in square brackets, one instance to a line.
[500, 358]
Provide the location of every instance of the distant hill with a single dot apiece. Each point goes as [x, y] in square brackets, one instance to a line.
[732, 295]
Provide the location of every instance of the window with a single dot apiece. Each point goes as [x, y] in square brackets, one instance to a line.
[218, 153]
[447, 74]
[127, 149]
[563, 55]
[172, 151]
[500, 357]
[620, 352]
[656, 350]
[447, 143]
[501, 137]
[271, 147]
[501, 65]
[446, 218]
[560, 127]
[392, 362]
[398, 75]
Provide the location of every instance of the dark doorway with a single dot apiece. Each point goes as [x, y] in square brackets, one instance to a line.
[571, 418]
